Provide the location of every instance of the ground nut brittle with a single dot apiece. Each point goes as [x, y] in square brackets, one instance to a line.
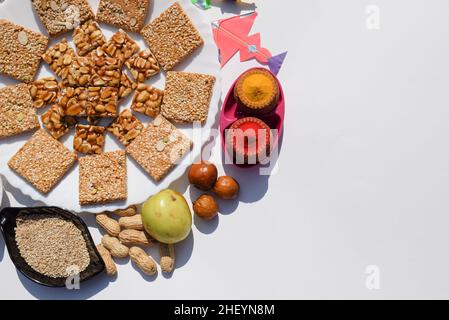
[121, 46]
[81, 72]
[20, 51]
[127, 14]
[88, 37]
[56, 123]
[44, 91]
[147, 100]
[17, 113]
[88, 139]
[107, 70]
[172, 37]
[127, 86]
[159, 148]
[143, 65]
[59, 16]
[103, 178]
[74, 101]
[59, 58]
[42, 161]
[126, 127]
[102, 102]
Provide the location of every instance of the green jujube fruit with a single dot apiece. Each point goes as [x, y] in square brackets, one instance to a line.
[166, 217]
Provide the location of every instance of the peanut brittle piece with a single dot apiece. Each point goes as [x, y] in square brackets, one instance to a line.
[147, 100]
[126, 127]
[102, 102]
[42, 161]
[143, 65]
[107, 70]
[88, 37]
[103, 178]
[59, 58]
[20, 51]
[56, 122]
[74, 101]
[126, 14]
[81, 72]
[88, 139]
[121, 46]
[159, 148]
[127, 86]
[44, 91]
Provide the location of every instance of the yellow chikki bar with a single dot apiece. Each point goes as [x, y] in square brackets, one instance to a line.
[159, 147]
[59, 16]
[20, 51]
[17, 113]
[103, 178]
[126, 14]
[42, 161]
[187, 96]
[172, 37]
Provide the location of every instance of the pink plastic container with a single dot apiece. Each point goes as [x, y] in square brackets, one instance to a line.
[230, 113]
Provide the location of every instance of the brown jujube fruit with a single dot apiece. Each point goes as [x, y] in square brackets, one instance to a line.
[203, 175]
[226, 188]
[205, 207]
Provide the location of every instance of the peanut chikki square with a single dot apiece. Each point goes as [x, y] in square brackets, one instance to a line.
[88, 37]
[143, 65]
[147, 100]
[56, 122]
[172, 37]
[59, 57]
[187, 96]
[121, 46]
[159, 147]
[17, 113]
[103, 178]
[102, 102]
[42, 161]
[126, 127]
[126, 87]
[126, 14]
[88, 139]
[60, 16]
[20, 51]
[44, 91]
[74, 101]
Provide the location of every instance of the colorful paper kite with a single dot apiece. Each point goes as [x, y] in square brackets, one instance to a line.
[232, 35]
[203, 4]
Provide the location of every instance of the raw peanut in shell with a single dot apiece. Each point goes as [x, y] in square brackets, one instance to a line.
[132, 237]
[114, 246]
[128, 212]
[110, 225]
[111, 268]
[167, 254]
[134, 222]
[143, 260]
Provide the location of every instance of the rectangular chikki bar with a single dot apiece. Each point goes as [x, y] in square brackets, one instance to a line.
[56, 122]
[44, 91]
[74, 101]
[60, 16]
[20, 51]
[121, 46]
[172, 37]
[187, 96]
[81, 72]
[102, 102]
[126, 87]
[126, 127]
[103, 178]
[126, 14]
[42, 161]
[159, 147]
[89, 139]
[17, 113]
[59, 57]
[147, 100]
[143, 65]
[88, 37]
[107, 70]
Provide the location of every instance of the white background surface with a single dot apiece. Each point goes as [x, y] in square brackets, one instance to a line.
[363, 173]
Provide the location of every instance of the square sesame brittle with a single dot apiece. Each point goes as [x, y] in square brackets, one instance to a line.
[87, 37]
[143, 65]
[126, 14]
[17, 112]
[20, 51]
[126, 127]
[159, 148]
[60, 16]
[103, 178]
[172, 37]
[147, 100]
[56, 122]
[121, 46]
[187, 96]
[44, 91]
[42, 161]
[89, 139]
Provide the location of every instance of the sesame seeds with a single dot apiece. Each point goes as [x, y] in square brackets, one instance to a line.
[126, 14]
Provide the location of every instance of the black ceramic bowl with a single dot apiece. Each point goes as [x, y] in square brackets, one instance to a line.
[8, 218]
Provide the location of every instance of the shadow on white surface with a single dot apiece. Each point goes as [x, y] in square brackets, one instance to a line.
[234, 8]
[206, 226]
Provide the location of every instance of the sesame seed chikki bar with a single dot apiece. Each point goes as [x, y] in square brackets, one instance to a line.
[126, 14]
[20, 51]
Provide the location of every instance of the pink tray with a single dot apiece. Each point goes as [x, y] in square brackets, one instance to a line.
[230, 113]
